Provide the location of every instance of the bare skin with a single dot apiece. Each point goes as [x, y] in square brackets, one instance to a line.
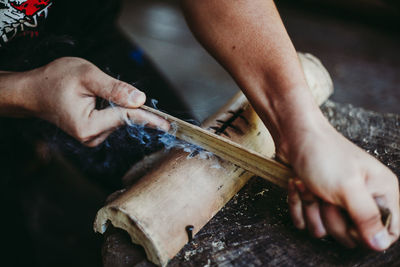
[248, 38]
[64, 92]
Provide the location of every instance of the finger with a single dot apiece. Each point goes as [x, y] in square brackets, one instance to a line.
[98, 139]
[108, 120]
[311, 211]
[116, 91]
[313, 219]
[366, 216]
[386, 196]
[295, 206]
[388, 206]
[336, 224]
[112, 118]
[394, 224]
[142, 117]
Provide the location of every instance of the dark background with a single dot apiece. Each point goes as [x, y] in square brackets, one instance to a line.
[357, 41]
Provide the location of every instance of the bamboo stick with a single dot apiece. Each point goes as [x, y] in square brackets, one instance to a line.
[247, 159]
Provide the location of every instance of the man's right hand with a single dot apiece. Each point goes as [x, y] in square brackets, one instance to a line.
[64, 92]
[344, 178]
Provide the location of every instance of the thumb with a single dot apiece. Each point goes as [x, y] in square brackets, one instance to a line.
[365, 214]
[119, 92]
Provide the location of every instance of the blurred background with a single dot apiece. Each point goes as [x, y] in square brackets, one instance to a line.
[358, 41]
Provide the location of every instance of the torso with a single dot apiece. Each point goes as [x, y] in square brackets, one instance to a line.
[31, 29]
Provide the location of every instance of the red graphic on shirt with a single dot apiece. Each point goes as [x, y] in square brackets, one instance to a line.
[22, 18]
[31, 7]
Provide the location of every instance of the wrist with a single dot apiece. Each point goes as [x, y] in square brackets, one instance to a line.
[299, 130]
[15, 96]
[291, 115]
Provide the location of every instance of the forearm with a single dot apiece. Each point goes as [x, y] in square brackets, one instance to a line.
[250, 41]
[14, 96]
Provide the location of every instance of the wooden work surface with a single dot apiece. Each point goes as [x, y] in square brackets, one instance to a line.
[254, 228]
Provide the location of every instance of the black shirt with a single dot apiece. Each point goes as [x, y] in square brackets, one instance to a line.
[33, 32]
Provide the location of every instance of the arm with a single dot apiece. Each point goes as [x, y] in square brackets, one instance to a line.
[64, 92]
[250, 41]
[12, 101]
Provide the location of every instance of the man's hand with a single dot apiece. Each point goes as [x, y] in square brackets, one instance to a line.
[64, 92]
[346, 179]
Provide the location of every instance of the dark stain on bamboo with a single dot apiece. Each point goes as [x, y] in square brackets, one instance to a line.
[229, 123]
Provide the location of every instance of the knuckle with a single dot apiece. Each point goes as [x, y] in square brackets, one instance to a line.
[72, 61]
[351, 183]
[336, 230]
[347, 187]
[309, 199]
[390, 187]
[92, 144]
[87, 69]
[385, 175]
[116, 88]
[81, 137]
[120, 90]
[370, 221]
[317, 233]
[83, 133]
[293, 200]
[299, 224]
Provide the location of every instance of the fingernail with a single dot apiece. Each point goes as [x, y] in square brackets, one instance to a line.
[381, 240]
[136, 97]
